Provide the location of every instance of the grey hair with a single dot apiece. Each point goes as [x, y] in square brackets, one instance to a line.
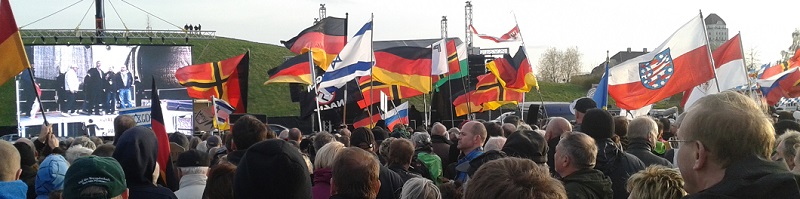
[581, 149]
[327, 154]
[322, 138]
[85, 142]
[438, 129]
[420, 188]
[74, 152]
[193, 170]
[642, 127]
[524, 127]
[494, 143]
[789, 139]
[421, 139]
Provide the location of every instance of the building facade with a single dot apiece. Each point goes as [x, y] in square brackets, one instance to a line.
[717, 31]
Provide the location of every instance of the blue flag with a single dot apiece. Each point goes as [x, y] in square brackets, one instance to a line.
[601, 93]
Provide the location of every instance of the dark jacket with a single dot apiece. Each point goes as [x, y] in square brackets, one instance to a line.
[642, 149]
[136, 152]
[391, 183]
[405, 175]
[118, 80]
[322, 183]
[588, 184]
[343, 196]
[93, 81]
[617, 165]
[551, 160]
[441, 147]
[754, 177]
[235, 156]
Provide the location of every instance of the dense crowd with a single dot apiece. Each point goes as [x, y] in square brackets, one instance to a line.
[724, 146]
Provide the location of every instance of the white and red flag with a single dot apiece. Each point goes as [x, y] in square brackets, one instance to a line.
[729, 68]
[512, 35]
[679, 64]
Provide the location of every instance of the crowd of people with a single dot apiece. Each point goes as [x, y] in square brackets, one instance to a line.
[104, 90]
[724, 146]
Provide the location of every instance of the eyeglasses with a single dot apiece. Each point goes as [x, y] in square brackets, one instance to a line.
[675, 142]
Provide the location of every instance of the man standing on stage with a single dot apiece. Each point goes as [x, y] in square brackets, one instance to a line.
[110, 103]
[71, 84]
[124, 81]
[93, 87]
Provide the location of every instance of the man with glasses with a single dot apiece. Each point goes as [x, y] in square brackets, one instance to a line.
[725, 143]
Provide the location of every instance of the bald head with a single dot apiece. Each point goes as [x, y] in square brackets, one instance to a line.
[439, 129]
[295, 134]
[9, 167]
[508, 129]
[556, 127]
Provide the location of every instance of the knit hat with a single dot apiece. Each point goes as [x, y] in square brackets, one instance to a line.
[583, 104]
[272, 169]
[51, 175]
[527, 144]
[94, 171]
[598, 124]
[192, 158]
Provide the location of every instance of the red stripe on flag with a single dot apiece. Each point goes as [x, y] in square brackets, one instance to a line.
[330, 43]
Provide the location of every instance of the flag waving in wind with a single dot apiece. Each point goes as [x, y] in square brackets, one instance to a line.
[12, 54]
[678, 64]
[324, 39]
[226, 79]
[512, 35]
[355, 59]
[157, 123]
[398, 115]
[729, 68]
[601, 93]
[222, 112]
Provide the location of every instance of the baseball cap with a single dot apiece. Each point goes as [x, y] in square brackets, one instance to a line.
[192, 158]
[582, 104]
[213, 141]
[94, 171]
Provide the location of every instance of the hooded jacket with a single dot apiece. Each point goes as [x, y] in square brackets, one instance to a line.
[322, 183]
[272, 169]
[13, 190]
[617, 165]
[588, 184]
[136, 152]
[754, 177]
[51, 175]
[642, 149]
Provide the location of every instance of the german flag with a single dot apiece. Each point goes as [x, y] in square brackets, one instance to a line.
[404, 66]
[12, 53]
[374, 88]
[226, 80]
[294, 70]
[489, 95]
[325, 40]
[514, 72]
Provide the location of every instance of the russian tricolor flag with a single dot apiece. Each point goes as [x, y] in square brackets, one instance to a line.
[398, 115]
[780, 85]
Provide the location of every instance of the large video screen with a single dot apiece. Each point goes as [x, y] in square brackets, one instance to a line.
[83, 87]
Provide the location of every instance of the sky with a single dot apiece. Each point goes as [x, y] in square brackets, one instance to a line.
[592, 26]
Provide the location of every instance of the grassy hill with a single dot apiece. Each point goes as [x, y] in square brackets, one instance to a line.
[273, 99]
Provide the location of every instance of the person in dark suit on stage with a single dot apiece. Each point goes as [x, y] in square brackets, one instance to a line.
[93, 88]
[110, 102]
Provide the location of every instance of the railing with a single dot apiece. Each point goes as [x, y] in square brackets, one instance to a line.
[116, 34]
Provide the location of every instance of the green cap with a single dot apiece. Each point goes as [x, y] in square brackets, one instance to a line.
[94, 171]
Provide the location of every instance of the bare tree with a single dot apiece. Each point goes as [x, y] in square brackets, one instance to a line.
[751, 61]
[559, 66]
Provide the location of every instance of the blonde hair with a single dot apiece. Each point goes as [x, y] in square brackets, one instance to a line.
[656, 182]
[495, 143]
[731, 127]
[327, 154]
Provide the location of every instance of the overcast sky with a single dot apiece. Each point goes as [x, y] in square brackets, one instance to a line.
[593, 26]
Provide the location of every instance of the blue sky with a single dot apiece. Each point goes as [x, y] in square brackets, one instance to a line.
[593, 26]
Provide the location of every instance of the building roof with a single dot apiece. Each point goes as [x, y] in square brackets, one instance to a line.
[713, 18]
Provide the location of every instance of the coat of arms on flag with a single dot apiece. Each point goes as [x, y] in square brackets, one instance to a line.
[657, 72]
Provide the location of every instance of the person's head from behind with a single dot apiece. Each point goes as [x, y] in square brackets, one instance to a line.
[598, 123]
[621, 126]
[220, 182]
[295, 134]
[321, 139]
[121, 124]
[557, 126]
[495, 143]
[581, 106]
[513, 178]
[193, 162]
[656, 182]
[363, 138]
[421, 141]
[784, 125]
[104, 150]
[275, 167]
[785, 149]
[439, 129]
[527, 144]
[327, 154]
[248, 130]
[511, 119]
[508, 129]
[493, 130]
[77, 151]
[643, 127]
[576, 151]
[10, 166]
[471, 136]
[420, 188]
[719, 130]
[400, 152]
[95, 177]
[136, 151]
[355, 174]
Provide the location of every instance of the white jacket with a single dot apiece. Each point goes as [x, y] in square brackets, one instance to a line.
[191, 186]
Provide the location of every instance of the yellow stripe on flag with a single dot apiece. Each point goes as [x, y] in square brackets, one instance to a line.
[12, 57]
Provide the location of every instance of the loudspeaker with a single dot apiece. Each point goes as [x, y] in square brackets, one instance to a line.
[533, 114]
[260, 117]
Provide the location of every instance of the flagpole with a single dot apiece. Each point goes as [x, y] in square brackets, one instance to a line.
[38, 100]
[522, 39]
[214, 110]
[372, 64]
[744, 63]
[708, 48]
[316, 88]
[450, 86]
[344, 114]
